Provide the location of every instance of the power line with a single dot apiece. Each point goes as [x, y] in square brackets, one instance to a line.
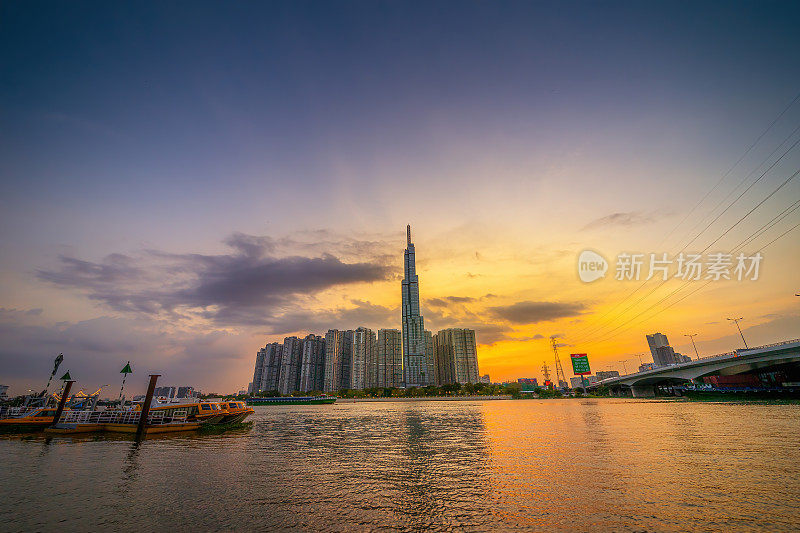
[722, 178]
[595, 329]
[725, 175]
[745, 191]
[685, 284]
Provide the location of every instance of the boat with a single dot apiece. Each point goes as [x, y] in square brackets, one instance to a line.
[193, 410]
[292, 400]
[27, 418]
[170, 417]
[122, 421]
[237, 412]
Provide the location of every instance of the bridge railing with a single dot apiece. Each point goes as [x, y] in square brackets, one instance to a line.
[715, 356]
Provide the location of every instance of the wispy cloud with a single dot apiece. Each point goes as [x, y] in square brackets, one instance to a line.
[630, 218]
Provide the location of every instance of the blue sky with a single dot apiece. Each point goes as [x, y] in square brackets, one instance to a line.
[505, 126]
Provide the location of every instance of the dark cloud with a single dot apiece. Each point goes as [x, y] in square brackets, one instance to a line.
[532, 312]
[95, 350]
[244, 287]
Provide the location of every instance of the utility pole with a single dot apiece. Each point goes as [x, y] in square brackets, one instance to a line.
[639, 355]
[625, 368]
[692, 336]
[736, 321]
[559, 371]
[546, 372]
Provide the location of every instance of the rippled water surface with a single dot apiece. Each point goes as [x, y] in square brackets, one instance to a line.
[578, 465]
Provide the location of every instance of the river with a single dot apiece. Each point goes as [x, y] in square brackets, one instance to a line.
[569, 465]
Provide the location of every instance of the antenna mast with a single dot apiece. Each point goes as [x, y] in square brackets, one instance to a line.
[560, 377]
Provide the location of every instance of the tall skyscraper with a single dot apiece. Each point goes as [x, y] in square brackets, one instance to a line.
[362, 368]
[312, 366]
[456, 356]
[415, 366]
[291, 357]
[390, 358]
[338, 350]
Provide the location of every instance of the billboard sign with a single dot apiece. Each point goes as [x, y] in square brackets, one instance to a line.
[580, 364]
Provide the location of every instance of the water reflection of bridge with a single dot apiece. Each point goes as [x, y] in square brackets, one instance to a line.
[644, 384]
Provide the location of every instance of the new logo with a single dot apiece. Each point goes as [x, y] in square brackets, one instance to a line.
[591, 266]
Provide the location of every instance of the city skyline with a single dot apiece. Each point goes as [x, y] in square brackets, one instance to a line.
[188, 193]
[359, 359]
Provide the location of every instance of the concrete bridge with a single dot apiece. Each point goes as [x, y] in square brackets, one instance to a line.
[643, 384]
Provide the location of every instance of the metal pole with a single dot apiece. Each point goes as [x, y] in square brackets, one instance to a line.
[736, 321]
[62, 401]
[146, 406]
[692, 336]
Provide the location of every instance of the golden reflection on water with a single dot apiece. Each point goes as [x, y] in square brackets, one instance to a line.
[577, 465]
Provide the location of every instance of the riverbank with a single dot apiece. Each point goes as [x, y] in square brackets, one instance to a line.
[427, 399]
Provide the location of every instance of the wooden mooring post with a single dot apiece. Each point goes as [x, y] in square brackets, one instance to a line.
[140, 430]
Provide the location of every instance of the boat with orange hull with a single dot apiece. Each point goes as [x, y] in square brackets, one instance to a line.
[236, 412]
[27, 418]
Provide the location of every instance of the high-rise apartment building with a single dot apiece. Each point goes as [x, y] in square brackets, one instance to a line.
[429, 357]
[338, 350]
[291, 357]
[389, 358]
[363, 370]
[312, 365]
[267, 369]
[656, 341]
[415, 366]
[258, 372]
[456, 356]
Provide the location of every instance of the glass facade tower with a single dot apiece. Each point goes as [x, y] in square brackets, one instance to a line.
[415, 365]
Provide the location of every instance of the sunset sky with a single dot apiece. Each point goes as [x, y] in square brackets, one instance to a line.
[181, 183]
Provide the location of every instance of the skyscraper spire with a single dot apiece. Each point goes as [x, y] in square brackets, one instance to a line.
[415, 370]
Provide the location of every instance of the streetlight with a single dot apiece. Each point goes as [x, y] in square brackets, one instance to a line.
[692, 336]
[736, 321]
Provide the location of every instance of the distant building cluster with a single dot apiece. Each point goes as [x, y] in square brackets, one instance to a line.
[361, 359]
[606, 374]
[576, 383]
[175, 392]
[662, 352]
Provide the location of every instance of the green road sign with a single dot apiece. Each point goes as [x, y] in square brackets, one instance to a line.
[580, 364]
